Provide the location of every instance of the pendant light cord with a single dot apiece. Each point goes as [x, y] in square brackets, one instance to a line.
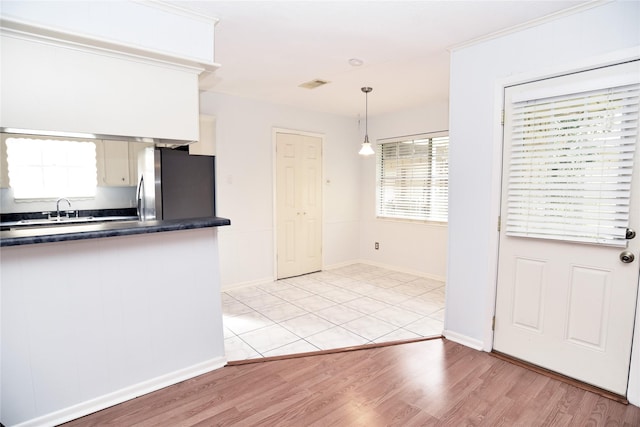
[366, 91]
[366, 115]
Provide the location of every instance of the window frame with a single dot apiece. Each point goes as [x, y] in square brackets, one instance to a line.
[67, 166]
[429, 171]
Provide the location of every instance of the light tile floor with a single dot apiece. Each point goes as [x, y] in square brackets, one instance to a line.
[352, 305]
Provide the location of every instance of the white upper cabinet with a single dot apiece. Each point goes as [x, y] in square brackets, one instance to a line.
[113, 165]
[117, 162]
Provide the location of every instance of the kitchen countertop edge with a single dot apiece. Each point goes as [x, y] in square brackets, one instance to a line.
[96, 231]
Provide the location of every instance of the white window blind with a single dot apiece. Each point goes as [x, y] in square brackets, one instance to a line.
[412, 176]
[41, 168]
[571, 165]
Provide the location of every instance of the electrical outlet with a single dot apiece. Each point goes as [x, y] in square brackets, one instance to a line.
[377, 246]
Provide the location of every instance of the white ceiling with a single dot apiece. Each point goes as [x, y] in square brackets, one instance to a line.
[268, 48]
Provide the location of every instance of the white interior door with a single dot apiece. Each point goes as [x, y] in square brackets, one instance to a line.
[565, 298]
[299, 204]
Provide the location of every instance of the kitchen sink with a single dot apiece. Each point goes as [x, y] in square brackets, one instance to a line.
[53, 222]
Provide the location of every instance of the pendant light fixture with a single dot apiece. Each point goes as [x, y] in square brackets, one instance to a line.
[366, 149]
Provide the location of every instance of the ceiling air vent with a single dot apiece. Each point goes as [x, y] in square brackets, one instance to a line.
[312, 84]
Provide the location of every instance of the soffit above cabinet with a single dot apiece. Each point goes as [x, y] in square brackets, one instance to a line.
[152, 30]
[94, 93]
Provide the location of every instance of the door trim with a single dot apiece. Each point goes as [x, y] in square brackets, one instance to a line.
[608, 59]
[274, 143]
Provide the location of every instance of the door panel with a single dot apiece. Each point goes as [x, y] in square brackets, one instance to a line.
[289, 253]
[299, 204]
[588, 311]
[560, 304]
[527, 302]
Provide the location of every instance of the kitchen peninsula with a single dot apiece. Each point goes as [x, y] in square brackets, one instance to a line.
[96, 313]
[93, 315]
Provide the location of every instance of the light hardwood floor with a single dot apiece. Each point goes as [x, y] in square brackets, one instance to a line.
[432, 383]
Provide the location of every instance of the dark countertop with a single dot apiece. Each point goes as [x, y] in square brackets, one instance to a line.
[61, 233]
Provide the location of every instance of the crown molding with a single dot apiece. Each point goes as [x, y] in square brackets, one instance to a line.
[529, 24]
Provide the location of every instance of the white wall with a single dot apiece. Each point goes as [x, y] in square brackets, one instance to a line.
[79, 335]
[411, 246]
[476, 74]
[245, 183]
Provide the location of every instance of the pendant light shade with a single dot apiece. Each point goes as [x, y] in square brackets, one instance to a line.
[366, 149]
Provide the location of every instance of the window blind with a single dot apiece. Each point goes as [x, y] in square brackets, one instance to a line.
[571, 166]
[412, 175]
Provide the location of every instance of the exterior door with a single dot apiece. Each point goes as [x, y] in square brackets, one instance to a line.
[299, 204]
[567, 270]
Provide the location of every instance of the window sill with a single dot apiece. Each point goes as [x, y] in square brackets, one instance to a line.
[413, 221]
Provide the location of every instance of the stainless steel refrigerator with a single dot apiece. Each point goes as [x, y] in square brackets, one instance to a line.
[175, 185]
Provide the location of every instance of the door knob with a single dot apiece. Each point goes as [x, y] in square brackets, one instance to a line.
[627, 257]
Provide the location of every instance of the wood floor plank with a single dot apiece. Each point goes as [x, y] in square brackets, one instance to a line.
[429, 383]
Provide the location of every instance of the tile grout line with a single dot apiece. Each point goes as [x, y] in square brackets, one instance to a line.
[336, 281]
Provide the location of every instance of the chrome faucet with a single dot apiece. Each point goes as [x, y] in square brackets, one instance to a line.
[58, 206]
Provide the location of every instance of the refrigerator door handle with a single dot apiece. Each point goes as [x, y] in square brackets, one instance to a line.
[140, 198]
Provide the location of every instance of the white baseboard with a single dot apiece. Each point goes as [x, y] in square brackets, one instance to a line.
[396, 268]
[246, 284]
[122, 395]
[342, 264]
[464, 340]
[231, 286]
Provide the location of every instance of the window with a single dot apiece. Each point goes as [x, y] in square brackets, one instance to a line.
[413, 177]
[45, 168]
